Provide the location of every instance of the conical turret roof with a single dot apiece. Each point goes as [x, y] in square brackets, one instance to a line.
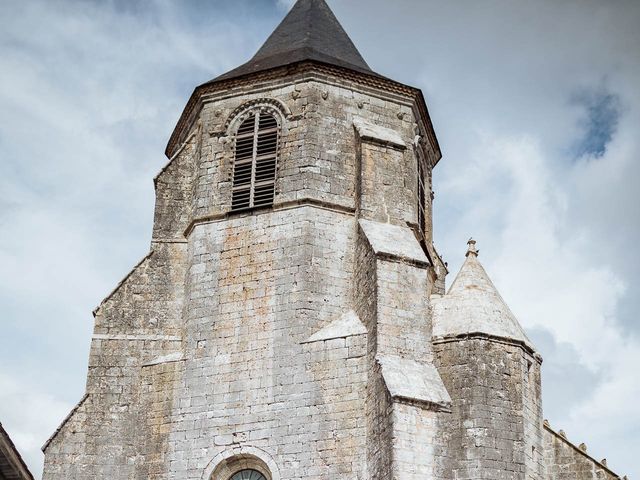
[473, 306]
[310, 32]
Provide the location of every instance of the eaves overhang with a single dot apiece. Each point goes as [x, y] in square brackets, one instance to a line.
[12, 464]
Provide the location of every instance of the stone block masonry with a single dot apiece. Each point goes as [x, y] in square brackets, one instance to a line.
[310, 338]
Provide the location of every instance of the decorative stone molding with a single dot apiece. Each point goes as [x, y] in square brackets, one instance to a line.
[274, 106]
[235, 459]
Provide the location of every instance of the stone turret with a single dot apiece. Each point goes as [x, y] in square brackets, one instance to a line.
[492, 372]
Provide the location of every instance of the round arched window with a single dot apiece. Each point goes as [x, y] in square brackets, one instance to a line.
[248, 475]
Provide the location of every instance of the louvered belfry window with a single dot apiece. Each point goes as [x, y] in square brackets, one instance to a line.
[254, 170]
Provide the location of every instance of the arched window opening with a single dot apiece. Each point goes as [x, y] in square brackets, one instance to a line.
[248, 475]
[254, 171]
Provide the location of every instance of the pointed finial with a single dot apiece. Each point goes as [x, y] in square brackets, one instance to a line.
[583, 447]
[472, 250]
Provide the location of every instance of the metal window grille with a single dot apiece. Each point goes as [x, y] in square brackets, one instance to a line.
[254, 171]
[248, 475]
[422, 198]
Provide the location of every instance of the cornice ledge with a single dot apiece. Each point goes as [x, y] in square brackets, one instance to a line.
[277, 207]
[486, 336]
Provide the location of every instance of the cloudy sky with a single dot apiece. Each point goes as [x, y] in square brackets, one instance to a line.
[537, 109]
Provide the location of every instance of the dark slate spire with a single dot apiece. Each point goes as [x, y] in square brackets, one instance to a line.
[309, 32]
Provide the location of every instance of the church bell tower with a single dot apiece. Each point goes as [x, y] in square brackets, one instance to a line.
[280, 328]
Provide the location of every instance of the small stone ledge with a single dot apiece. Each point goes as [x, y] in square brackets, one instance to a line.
[579, 450]
[414, 383]
[394, 243]
[377, 134]
[348, 325]
[137, 337]
[170, 358]
[64, 422]
[277, 207]
[169, 241]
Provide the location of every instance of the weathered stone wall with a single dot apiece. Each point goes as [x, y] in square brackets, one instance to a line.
[299, 337]
[565, 461]
[105, 437]
[416, 441]
[404, 326]
[258, 287]
[491, 432]
[174, 187]
[533, 419]
[404, 395]
[204, 351]
[389, 185]
[378, 405]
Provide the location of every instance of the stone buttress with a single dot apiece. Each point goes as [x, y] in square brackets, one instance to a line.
[492, 372]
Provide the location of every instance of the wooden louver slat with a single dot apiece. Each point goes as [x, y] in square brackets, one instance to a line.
[255, 162]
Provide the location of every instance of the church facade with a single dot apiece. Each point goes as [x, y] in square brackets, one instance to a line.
[291, 321]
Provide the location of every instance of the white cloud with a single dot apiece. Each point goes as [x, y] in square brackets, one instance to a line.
[30, 416]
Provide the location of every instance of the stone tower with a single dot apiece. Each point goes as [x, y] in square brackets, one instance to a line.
[290, 320]
[492, 372]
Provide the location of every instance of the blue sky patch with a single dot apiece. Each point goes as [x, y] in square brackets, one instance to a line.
[602, 111]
